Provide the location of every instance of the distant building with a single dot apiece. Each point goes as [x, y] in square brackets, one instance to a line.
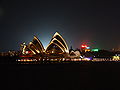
[57, 48]
[116, 49]
[75, 54]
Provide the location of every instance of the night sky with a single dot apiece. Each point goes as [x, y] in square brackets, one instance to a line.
[92, 22]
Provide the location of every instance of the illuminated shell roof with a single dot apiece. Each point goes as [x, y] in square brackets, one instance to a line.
[57, 45]
[36, 46]
[60, 38]
[59, 41]
[33, 48]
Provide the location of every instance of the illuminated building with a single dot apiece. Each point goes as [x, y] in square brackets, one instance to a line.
[56, 48]
[116, 49]
[95, 50]
[116, 57]
[75, 54]
[85, 48]
[36, 46]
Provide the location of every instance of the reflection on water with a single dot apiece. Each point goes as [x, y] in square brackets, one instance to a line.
[46, 61]
[62, 60]
[83, 76]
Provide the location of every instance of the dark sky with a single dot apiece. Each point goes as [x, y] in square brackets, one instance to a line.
[94, 22]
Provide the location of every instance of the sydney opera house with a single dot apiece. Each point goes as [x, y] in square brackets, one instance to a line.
[57, 48]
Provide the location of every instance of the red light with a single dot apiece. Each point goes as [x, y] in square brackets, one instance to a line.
[83, 46]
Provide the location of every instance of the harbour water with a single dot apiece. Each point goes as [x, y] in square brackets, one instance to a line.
[64, 76]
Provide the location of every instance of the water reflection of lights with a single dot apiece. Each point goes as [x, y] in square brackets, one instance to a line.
[68, 59]
[86, 59]
[26, 60]
[61, 59]
[105, 59]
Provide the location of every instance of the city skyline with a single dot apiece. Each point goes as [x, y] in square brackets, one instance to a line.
[95, 23]
[60, 44]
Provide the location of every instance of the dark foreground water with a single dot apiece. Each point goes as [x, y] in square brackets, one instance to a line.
[86, 75]
[73, 76]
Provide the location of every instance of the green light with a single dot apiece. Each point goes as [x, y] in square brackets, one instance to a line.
[95, 50]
